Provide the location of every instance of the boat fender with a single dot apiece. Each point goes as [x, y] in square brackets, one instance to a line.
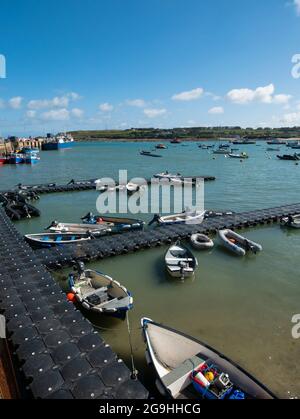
[71, 297]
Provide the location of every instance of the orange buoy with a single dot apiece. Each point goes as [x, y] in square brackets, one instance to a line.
[71, 297]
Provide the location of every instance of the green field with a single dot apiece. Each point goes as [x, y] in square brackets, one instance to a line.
[151, 134]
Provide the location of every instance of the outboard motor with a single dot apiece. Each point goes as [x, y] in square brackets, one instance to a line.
[155, 219]
[80, 268]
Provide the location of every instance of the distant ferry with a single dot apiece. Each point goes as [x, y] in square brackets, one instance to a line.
[57, 143]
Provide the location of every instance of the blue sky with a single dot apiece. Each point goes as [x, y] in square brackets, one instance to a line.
[97, 64]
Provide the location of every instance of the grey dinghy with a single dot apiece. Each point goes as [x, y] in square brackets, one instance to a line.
[201, 242]
[291, 221]
[180, 261]
[189, 369]
[100, 293]
[237, 243]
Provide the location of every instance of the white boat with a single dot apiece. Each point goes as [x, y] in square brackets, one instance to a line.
[238, 244]
[94, 229]
[189, 369]
[100, 293]
[187, 217]
[238, 156]
[180, 261]
[291, 221]
[201, 242]
[167, 175]
[54, 239]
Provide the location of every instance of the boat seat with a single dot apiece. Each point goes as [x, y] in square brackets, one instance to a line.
[45, 238]
[58, 239]
[180, 378]
[176, 262]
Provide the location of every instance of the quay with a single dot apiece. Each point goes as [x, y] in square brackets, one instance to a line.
[55, 351]
[132, 241]
[80, 185]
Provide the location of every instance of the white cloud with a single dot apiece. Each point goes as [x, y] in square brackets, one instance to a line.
[55, 102]
[138, 103]
[15, 102]
[56, 115]
[153, 113]
[292, 118]
[216, 110]
[297, 6]
[261, 94]
[282, 99]
[189, 95]
[31, 114]
[106, 107]
[2, 104]
[77, 113]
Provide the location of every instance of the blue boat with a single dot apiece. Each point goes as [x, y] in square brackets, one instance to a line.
[117, 225]
[32, 158]
[15, 158]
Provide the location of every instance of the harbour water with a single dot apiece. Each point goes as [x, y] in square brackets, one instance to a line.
[242, 307]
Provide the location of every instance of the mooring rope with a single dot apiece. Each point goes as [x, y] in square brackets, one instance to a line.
[134, 370]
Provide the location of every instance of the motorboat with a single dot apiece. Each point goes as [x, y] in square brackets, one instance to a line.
[187, 368]
[186, 217]
[238, 156]
[180, 261]
[92, 229]
[55, 239]
[117, 224]
[292, 157]
[98, 292]
[161, 147]
[238, 244]
[291, 221]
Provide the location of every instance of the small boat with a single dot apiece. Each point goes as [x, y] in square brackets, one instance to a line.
[161, 147]
[15, 158]
[100, 293]
[54, 239]
[167, 175]
[92, 229]
[190, 369]
[31, 158]
[187, 217]
[3, 160]
[238, 156]
[293, 157]
[238, 244]
[175, 141]
[201, 242]
[149, 154]
[291, 221]
[203, 147]
[273, 149]
[180, 261]
[117, 225]
[222, 151]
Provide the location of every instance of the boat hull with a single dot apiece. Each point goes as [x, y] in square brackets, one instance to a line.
[180, 352]
[56, 145]
[121, 302]
[237, 245]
